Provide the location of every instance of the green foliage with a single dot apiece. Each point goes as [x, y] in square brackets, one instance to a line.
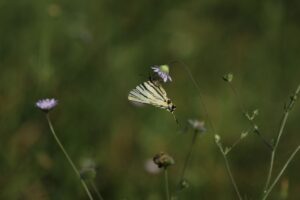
[89, 54]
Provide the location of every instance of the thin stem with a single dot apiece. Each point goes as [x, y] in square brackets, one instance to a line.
[242, 107]
[237, 142]
[167, 184]
[188, 156]
[288, 108]
[200, 94]
[280, 173]
[96, 190]
[68, 157]
[262, 138]
[233, 145]
[283, 122]
[229, 172]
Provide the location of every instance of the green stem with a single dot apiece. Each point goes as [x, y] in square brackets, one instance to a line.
[200, 95]
[229, 172]
[68, 158]
[283, 122]
[167, 184]
[242, 107]
[188, 157]
[280, 173]
[261, 137]
[288, 108]
[96, 190]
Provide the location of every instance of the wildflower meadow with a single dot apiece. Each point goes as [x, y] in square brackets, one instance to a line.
[149, 100]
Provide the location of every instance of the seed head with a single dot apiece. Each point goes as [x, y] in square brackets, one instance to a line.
[163, 160]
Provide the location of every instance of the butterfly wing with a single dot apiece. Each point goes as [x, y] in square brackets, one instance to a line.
[149, 93]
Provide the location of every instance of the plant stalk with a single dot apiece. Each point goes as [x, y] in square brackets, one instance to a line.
[287, 110]
[230, 173]
[283, 122]
[267, 192]
[96, 190]
[167, 184]
[68, 158]
[242, 107]
[188, 156]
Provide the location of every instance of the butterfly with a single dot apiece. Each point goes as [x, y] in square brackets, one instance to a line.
[151, 92]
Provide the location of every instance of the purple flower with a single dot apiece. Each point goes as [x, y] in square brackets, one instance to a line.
[46, 104]
[163, 72]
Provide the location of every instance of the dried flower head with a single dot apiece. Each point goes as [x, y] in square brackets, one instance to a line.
[46, 104]
[163, 72]
[197, 125]
[163, 160]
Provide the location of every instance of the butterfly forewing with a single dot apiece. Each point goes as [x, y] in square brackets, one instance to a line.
[150, 93]
[156, 91]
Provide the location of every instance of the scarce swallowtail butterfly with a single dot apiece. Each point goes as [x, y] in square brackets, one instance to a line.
[151, 92]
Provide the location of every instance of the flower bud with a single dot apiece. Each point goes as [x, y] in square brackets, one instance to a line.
[244, 134]
[217, 138]
[228, 77]
[165, 68]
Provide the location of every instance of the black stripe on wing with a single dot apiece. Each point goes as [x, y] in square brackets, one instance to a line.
[150, 93]
[158, 90]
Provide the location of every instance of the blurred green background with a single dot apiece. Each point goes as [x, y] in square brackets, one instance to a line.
[90, 54]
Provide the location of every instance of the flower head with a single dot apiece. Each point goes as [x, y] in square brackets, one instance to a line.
[46, 104]
[197, 125]
[163, 72]
[163, 160]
